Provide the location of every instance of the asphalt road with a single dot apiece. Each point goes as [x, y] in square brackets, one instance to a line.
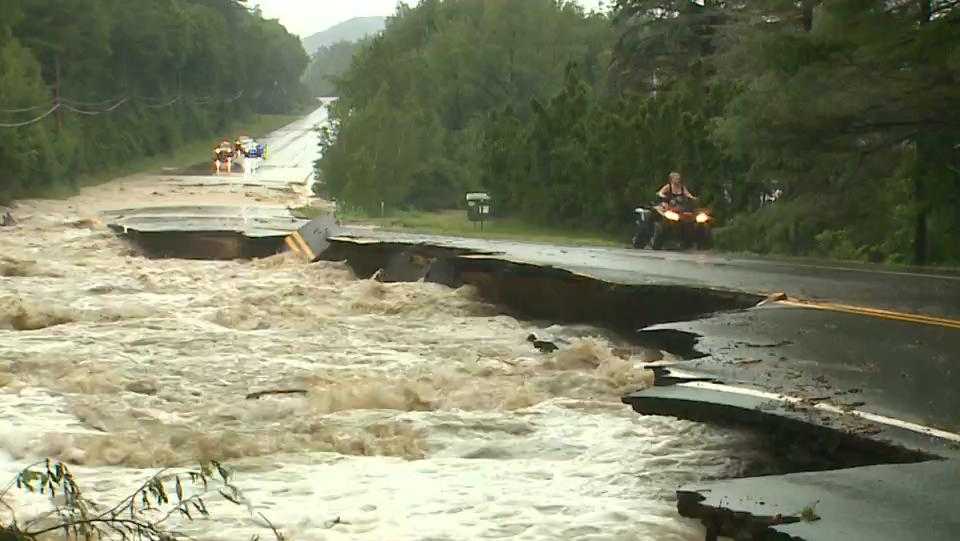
[926, 292]
[255, 203]
[893, 368]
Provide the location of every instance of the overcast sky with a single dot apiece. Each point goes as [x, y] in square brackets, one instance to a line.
[305, 17]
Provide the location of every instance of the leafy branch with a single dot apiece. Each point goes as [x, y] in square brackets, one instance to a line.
[143, 515]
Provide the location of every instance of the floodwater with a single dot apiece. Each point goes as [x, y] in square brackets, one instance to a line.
[429, 416]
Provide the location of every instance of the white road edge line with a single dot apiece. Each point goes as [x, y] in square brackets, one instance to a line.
[825, 406]
[879, 271]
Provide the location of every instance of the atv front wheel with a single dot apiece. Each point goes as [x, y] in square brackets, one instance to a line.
[642, 236]
[704, 238]
[656, 242]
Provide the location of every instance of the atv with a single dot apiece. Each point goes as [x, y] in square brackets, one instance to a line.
[677, 219]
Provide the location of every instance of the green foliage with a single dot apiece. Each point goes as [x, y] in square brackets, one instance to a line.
[789, 227]
[588, 159]
[855, 107]
[455, 222]
[327, 65]
[185, 67]
[851, 107]
[28, 152]
[141, 516]
[415, 106]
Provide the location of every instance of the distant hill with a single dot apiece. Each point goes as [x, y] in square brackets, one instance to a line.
[351, 30]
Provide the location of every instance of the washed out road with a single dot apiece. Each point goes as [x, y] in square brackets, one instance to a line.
[885, 339]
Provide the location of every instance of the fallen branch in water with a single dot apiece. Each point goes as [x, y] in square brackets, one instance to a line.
[258, 394]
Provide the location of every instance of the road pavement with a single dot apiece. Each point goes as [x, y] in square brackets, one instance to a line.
[247, 201]
[924, 291]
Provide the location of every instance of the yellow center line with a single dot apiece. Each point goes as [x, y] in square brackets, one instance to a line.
[304, 247]
[873, 312]
[293, 245]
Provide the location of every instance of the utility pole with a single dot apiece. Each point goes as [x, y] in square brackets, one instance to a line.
[56, 92]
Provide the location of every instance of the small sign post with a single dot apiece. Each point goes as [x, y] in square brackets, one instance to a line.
[479, 207]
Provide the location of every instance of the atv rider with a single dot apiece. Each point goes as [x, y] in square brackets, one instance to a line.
[674, 192]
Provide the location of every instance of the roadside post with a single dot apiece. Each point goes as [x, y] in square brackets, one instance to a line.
[479, 207]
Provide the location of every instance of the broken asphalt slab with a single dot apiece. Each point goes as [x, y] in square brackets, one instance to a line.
[859, 476]
[872, 503]
[893, 368]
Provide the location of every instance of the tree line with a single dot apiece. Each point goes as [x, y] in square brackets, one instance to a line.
[326, 66]
[131, 79]
[850, 107]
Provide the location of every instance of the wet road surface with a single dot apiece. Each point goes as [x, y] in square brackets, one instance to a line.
[925, 291]
[248, 200]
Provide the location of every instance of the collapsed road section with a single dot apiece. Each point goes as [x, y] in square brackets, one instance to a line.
[915, 501]
[534, 291]
[205, 232]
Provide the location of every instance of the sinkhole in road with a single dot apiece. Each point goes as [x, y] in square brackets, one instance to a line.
[204, 245]
[536, 292]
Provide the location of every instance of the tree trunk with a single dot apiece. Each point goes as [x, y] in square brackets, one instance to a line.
[920, 219]
[923, 169]
[807, 8]
[926, 10]
[931, 170]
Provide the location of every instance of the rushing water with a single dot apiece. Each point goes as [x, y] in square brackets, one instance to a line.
[429, 416]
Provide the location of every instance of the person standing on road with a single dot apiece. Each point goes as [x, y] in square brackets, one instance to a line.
[218, 158]
[674, 189]
[223, 155]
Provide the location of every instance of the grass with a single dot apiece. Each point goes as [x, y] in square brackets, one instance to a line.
[189, 153]
[308, 212]
[809, 513]
[455, 223]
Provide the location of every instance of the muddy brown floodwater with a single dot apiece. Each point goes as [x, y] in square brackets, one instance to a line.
[429, 415]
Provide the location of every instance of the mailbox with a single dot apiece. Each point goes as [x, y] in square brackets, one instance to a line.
[479, 207]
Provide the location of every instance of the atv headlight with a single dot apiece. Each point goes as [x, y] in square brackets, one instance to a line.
[672, 216]
[703, 218]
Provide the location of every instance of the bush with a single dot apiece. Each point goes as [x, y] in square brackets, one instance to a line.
[786, 227]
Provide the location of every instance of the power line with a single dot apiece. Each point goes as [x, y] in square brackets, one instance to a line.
[74, 106]
[22, 110]
[162, 105]
[94, 113]
[101, 103]
[158, 100]
[33, 120]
